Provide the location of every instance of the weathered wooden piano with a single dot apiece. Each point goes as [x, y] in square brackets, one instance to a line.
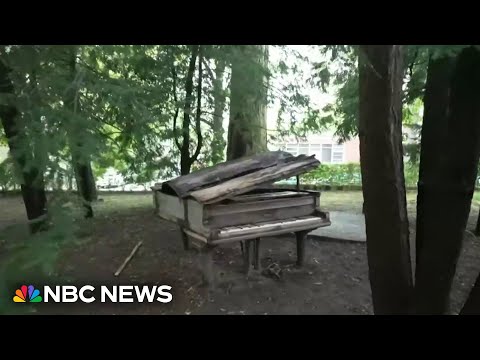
[237, 201]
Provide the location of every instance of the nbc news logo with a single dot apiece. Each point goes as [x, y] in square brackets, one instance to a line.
[27, 294]
[115, 294]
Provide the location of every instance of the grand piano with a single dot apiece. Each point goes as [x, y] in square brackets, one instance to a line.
[238, 201]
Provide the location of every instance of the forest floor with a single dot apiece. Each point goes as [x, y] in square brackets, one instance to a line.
[334, 279]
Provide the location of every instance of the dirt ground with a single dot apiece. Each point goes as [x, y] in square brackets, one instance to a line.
[334, 279]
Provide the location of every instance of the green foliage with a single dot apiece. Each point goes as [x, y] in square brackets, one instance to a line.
[339, 71]
[341, 174]
[295, 105]
[7, 175]
[412, 126]
[411, 171]
[416, 63]
[34, 258]
[350, 174]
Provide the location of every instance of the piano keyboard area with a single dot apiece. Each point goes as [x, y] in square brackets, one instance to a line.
[270, 228]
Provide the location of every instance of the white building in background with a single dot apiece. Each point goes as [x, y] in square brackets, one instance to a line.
[325, 147]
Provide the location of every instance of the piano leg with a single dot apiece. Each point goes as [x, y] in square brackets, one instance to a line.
[206, 262]
[301, 237]
[256, 254]
[184, 239]
[247, 261]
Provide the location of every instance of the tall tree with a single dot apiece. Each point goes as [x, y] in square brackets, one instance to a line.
[449, 162]
[433, 152]
[76, 135]
[433, 159]
[218, 142]
[32, 186]
[247, 129]
[380, 132]
[186, 160]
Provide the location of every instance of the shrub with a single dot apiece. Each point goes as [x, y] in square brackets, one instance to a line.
[347, 175]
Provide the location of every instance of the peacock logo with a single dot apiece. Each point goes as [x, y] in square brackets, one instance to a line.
[33, 294]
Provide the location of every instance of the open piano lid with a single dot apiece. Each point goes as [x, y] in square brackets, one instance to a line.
[235, 177]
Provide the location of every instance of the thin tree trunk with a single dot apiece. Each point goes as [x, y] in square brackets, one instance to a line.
[218, 142]
[32, 187]
[185, 163]
[247, 129]
[381, 153]
[198, 113]
[83, 176]
[80, 157]
[91, 183]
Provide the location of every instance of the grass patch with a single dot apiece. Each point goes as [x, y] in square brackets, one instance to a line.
[122, 203]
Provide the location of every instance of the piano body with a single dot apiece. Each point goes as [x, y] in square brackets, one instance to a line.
[237, 201]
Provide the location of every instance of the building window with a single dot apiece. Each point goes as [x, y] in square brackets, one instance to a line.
[326, 153]
[292, 149]
[337, 154]
[303, 149]
[316, 149]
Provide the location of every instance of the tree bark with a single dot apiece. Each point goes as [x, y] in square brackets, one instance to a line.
[185, 162]
[80, 156]
[450, 192]
[381, 153]
[247, 129]
[32, 187]
[85, 184]
[218, 142]
[433, 151]
[477, 227]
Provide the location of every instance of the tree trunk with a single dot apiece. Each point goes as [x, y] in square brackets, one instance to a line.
[85, 186]
[32, 187]
[477, 227]
[91, 183]
[433, 151]
[247, 130]
[449, 193]
[381, 153]
[80, 156]
[185, 161]
[431, 199]
[218, 142]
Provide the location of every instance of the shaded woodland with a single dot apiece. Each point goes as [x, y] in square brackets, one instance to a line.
[70, 112]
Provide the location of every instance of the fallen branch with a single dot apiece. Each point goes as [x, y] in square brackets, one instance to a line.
[120, 269]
